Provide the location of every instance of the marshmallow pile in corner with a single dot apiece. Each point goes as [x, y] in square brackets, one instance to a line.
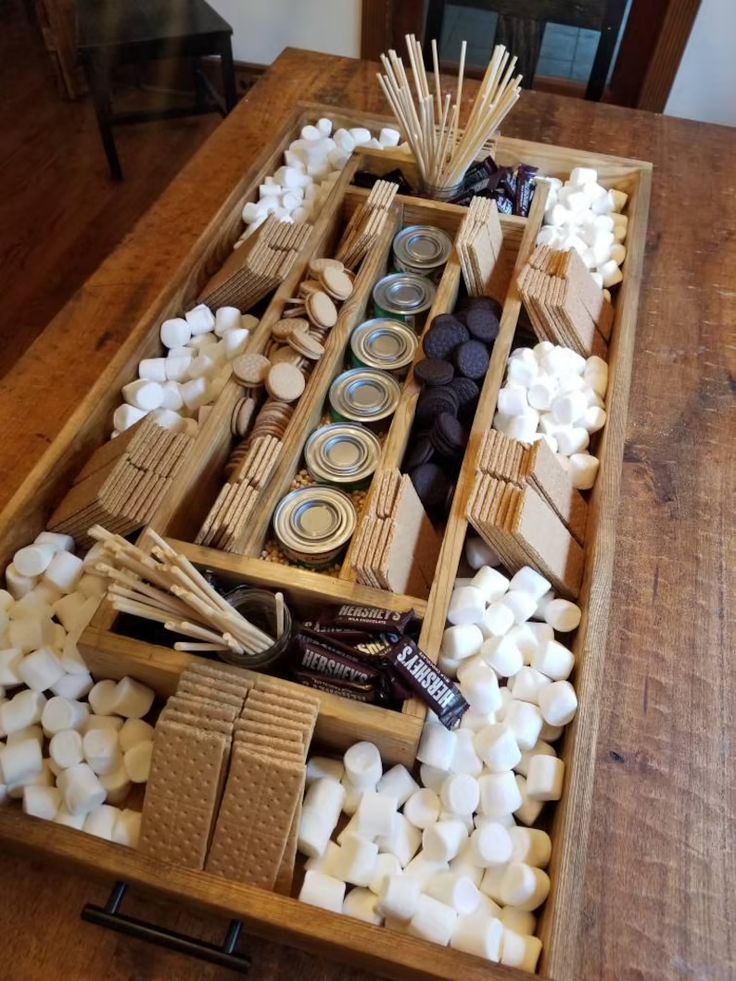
[553, 393]
[583, 215]
[179, 388]
[312, 163]
[454, 858]
[70, 748]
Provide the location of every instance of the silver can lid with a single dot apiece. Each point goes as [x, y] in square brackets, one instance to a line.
[383, 343]
[364, 394]
[342, 452]
[404, 293]
[422, 247]
[314, 520]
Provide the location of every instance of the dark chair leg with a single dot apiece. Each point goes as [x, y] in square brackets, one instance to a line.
[98, 78]
[433, 28]
[200, 88]
[228, 74]
[523, 38]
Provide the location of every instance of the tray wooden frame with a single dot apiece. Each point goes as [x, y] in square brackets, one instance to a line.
[111, 654]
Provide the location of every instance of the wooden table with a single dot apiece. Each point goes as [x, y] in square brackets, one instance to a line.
[659, 896]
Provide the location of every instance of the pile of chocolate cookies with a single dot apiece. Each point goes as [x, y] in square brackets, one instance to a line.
[458, 351]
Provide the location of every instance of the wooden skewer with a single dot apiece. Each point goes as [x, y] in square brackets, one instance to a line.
[279, 615]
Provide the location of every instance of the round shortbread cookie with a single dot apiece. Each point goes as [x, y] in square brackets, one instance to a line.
[307, 346]
[285, 382]
[318, 265]
[336, 283]
[281, 328]
[321, 310]
[251, 369]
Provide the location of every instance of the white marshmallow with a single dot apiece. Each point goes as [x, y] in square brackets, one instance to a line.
[18, 584]
[41, 802]
[328, 862]
[433, 777]
[541, 748]
[64, 571]
[397, 783]
[443, 840]
[399, 897]
[491, 583]
[497, 747]
[530, 846]
[502, 654]
[526, 684]
[479, 934]
[460, 794]
[512, 402]
[361, 135]
[528, 580]
[195, 393]
[175, 332]
[152, 369]
[60, 541]
[437, 746]
[68, 820]
[226, 318]
[520, 951]
[465, 759]
[497, 620]
[524, 886]
[29, 732]
[32, 560]
[363, 765]
[467, 605]
[127, 828]
[403, 842]
[433, 921]
[41, 669]
[10, 660]
[101, 750]
[323, 766]
[361, 904]
[131, 699]
[375, 815]
[529, 810]
[322, 890]
[137, 761]
[521, 603]
[517, 920]
[134, 731]
[525, 721]
[123, 418]
[201, 320]
[63, 713]
[479, 685]
[101, 821]
[463, 640]
[553, 660]
[352, 797]
[499, 794]
[457, 891]
[22, 710]
[490, 844]
[65, 749]
[144, 395]
[321, 811]
[357, 860]
[558, 703]
[386, 865]
[422, 809]
[101, 697]
[20, 762]
[545, 777]
[478, 554]
[177, 368]
[583, 470]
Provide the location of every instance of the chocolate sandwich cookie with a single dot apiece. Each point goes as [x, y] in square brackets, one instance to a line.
[467, 392]
[432, 485]
[433, 401]
[480, 303]
[448, 436]
[471, 359]
[434, 371]
[444, 336]
[420, 451]
[482, 324]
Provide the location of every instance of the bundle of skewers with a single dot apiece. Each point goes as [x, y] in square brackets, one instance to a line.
[165, 587]
[431, 121]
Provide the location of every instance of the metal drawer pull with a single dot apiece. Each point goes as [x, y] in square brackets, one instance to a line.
[110, 917]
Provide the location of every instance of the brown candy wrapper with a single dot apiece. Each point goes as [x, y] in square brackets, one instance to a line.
[328, 661]
[371, 619]
[426, 681]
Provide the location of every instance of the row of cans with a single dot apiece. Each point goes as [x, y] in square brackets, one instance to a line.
[313, 524]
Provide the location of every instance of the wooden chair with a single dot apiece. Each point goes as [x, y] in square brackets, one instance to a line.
[117, 32]
[521, 26]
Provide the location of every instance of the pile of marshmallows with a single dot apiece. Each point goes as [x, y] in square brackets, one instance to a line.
[312, 163]
[179, 388]
[583, 215]
[67, 745]
[447, 861]
[553, 393]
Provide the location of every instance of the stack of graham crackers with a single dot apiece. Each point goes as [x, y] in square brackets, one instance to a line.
[189, 765]
[478, 244]
[524, 506]
[258, 266]
[563, 302]
[255, 837]
[396, 547]
[366, 224]
[123, 482]
[226, 525]
[227, 775]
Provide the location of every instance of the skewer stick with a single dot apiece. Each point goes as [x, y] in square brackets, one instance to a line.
[196, 648]
[437, 84]
[279, 615]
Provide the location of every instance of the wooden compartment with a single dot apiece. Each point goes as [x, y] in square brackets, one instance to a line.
[112, 654]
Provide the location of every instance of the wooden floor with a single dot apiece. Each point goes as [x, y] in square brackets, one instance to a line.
[60, 215]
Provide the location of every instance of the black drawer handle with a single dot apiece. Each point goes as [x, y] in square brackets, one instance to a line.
[110, 917]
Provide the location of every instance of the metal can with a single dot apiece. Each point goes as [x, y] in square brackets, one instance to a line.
[364, 395]
[422, 249]
[389, 345]
[313, 524]
[403, 296]
[342, 453]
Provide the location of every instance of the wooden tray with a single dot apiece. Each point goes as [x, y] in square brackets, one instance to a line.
[111, 654]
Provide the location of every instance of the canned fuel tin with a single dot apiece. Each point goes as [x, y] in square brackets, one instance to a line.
[403, 296]
[313, 524]
[389, 345]
[422, 249]
[342, 453]
[364, 395]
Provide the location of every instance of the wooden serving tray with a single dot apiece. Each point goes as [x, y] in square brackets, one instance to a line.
[341, 722]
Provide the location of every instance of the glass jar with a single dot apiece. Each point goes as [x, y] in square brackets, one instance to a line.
[258, 606]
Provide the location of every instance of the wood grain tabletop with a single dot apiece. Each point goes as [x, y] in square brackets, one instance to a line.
[659, 900]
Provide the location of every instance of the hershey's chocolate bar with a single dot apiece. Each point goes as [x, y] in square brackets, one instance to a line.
[372, 619]
[430, 683]
[328, 661]
[346, 689]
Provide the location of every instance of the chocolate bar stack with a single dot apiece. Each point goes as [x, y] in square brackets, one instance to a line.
[512, 190]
